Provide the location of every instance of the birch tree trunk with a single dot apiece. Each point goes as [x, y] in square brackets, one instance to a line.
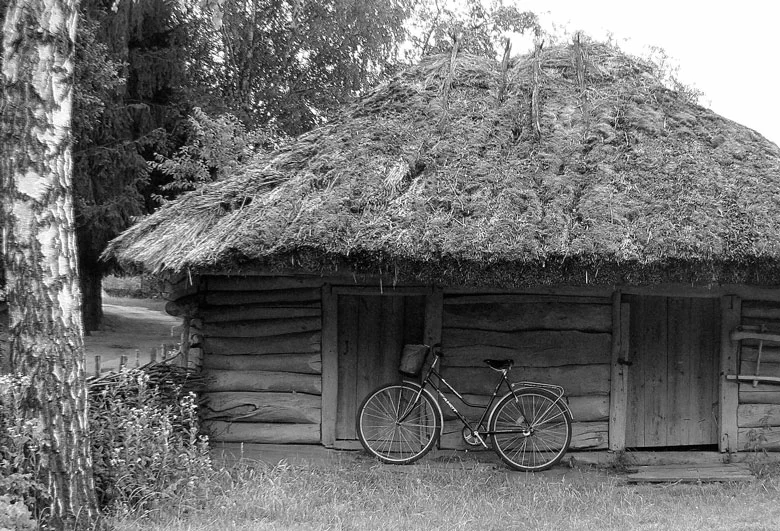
[39, 247]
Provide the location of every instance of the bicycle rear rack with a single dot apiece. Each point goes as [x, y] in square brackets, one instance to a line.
[557, 390]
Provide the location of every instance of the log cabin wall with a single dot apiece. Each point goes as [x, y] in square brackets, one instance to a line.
[564, 340]
[758, 412]
[261, 342]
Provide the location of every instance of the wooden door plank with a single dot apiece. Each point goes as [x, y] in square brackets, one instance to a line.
[330, 366]
[392, 339]
[369, 355]
[680, 366]
[348, 315]
[618, 396]
[647, 378]
[730, 311]
[709, 369]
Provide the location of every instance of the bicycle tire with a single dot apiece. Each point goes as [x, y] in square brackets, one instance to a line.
[531, 429]
[392, 432]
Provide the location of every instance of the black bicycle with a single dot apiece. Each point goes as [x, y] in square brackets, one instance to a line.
[530, 426]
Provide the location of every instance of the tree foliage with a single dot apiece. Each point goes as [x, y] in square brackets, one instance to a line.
[290, 63]
[479, 28]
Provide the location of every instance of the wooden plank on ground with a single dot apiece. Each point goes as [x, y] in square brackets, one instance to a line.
[691, 474]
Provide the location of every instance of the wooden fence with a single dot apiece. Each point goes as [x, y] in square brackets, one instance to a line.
[166, 352]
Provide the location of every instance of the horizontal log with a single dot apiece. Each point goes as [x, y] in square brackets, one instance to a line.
[259, 283]
[284, 344]
[752, 335]
[467, 348]
[182, 287]
[262, 432]
[308, 363]
[768, 354]
[529, 316]
[577, 380]
[761, 394]
[186, 306]
[248, 312]
[765, 369]
[585, 436]
[761, 310]
[217, 380]
[231, 298]
[590, 436]
[583, 408]
[753, 439]
[241, 406]
[452, 296]
[758, 415]
[262, 328]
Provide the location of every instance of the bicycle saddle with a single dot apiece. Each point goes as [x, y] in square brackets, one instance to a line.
[500, 365]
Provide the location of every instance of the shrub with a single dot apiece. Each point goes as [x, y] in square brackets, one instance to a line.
[145, 443]
[21, 439]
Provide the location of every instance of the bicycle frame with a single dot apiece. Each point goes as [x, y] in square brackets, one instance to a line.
[480, 428]
[436, 384]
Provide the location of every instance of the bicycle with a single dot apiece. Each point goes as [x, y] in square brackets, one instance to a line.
[530, 427]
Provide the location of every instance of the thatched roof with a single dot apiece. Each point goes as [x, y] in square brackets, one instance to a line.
[569, 163]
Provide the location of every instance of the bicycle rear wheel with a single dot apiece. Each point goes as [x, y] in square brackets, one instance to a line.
[398, 423]
[531, 429]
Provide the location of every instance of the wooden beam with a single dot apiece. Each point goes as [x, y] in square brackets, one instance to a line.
[305, 362]
[618, 395]
[330, 366]
[731, 315]
[257, 283]
[739, 335]
[262, 432]
[242, 406]
[217, 380]
[434, 306]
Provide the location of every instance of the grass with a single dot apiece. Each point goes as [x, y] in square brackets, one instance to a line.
[357, 496]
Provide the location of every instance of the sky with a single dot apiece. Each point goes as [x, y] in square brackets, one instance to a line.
[728, 50]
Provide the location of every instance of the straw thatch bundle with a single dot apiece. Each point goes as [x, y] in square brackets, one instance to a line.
[462, 170]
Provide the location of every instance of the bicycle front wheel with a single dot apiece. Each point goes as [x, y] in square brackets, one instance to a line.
[531, 429]
[398, 423]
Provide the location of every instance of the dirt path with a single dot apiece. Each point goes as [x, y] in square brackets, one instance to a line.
[130, 325]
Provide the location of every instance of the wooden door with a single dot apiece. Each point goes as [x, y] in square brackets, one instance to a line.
[672, 382]
[372, 330]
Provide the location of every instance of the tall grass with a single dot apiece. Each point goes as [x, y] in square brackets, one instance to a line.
[368, 497]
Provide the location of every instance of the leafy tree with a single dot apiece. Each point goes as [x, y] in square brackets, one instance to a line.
[130, 103]
[39, 248]
[478, 27]
[290, 63]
